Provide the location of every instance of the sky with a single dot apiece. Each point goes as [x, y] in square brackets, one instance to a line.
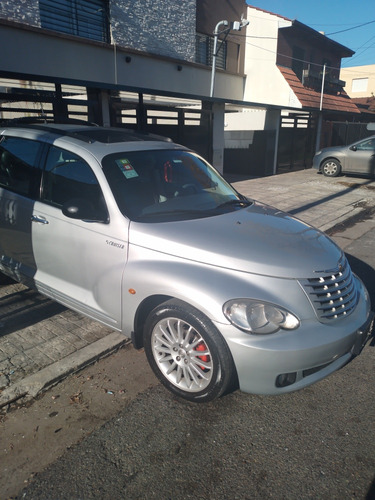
[354, 19]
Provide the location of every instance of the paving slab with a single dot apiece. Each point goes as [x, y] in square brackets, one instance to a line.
[42, 342]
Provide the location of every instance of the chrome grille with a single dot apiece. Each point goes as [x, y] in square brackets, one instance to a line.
[332, 294]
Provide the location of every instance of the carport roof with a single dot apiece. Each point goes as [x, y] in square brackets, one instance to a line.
[310, 99]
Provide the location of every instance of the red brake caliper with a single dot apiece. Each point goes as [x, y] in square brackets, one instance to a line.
[202, 347]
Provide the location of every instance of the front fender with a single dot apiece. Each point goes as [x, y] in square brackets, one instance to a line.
[149, 274]
[338, 157]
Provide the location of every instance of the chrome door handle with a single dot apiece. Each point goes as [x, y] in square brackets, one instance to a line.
[40, 220]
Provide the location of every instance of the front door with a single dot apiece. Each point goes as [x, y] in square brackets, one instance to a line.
[79, 262]
[362, 159]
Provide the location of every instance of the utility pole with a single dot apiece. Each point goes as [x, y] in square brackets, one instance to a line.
[320, 117]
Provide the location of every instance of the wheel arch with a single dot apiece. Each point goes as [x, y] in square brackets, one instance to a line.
[144, 309]
[327, 158]
[215, 339]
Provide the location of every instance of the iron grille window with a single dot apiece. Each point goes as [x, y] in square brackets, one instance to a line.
[85, 18]
[204, 46]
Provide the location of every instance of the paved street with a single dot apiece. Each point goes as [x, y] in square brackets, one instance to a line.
[42, 342]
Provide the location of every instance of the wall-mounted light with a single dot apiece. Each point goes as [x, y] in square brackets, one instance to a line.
[179, 67]
[128, 59]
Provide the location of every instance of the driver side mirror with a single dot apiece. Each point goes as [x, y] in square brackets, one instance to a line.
[353, 148]
[81, 209]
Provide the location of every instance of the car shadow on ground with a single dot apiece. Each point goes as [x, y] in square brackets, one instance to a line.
[24, 308]
[367, 275]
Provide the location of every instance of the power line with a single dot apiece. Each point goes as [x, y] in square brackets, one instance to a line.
[293, 58]
[349, 29]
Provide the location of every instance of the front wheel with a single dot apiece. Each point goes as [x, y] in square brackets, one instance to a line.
[187, 353]
[331, 168]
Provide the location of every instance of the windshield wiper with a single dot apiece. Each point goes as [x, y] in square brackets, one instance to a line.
[163, 213]
[235, 203]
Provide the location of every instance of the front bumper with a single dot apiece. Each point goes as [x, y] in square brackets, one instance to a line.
[363, 335]
[289, 361]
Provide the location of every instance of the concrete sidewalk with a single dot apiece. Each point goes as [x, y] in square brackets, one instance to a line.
[42, 342]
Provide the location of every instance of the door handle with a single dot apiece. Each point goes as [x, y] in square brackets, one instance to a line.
[40, 220]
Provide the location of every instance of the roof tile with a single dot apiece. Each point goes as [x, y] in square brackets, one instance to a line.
[311, 98]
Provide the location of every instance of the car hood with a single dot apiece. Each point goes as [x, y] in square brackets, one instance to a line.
[258, 239]
[335, 149]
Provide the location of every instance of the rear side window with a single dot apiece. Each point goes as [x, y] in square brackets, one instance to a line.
[67, 177]
[18, 165]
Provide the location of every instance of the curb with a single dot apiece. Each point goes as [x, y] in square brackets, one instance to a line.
[31, 386]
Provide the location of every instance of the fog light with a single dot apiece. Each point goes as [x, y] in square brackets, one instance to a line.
[286, 379]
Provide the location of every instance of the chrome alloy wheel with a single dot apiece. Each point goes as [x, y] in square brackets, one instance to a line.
[181, 354]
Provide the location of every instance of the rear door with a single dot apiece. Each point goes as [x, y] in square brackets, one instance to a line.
[362, 158]
[79, 262]
[19, 186]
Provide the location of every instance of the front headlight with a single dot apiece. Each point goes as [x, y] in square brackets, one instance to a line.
[254, 316]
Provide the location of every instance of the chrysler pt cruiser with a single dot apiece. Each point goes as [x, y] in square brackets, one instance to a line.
[146, 237]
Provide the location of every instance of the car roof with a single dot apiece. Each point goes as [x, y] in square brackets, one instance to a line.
[89, 134]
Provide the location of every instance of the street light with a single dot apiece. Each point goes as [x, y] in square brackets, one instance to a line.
[235, 26]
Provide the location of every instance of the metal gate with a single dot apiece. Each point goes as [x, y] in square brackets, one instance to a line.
[185, 122]
[342, 133]
[296, 142]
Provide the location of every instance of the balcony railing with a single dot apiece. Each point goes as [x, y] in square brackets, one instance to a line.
[313, 79]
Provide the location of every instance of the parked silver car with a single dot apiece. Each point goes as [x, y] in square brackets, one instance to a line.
[357, 158]
[146, 237]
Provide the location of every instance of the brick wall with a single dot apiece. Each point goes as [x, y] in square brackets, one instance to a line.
[22, 11]
[163, 27]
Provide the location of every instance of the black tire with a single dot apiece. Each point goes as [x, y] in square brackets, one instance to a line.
[187, 353]
[331, 168]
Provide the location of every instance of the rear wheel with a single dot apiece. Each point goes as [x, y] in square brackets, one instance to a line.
[187, 353]
[331, 168]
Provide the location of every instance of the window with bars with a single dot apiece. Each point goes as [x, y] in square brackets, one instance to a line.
[85, 18]
[204, 46]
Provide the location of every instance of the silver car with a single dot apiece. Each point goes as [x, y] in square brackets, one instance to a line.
[357, 158]
[144, 236]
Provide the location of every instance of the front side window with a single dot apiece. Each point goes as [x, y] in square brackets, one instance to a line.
[368, 145]
[18, 165]
[85, 18]
[160, 186]
[67, 179]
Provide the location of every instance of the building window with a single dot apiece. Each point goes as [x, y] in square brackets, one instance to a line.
[298, 61]
[359, 84]
[204, 47]
[85, 18]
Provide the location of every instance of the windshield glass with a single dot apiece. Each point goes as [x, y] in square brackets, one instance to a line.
[163, 185]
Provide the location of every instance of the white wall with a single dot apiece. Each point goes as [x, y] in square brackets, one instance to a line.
[264, 82]
[360, 80]
[55, 56]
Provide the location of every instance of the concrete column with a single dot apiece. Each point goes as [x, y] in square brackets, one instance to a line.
[218, 110]
[98, 106]
[272, 122]
[60, 109]
[105, 103]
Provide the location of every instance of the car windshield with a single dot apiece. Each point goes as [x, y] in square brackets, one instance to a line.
[166, 185]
